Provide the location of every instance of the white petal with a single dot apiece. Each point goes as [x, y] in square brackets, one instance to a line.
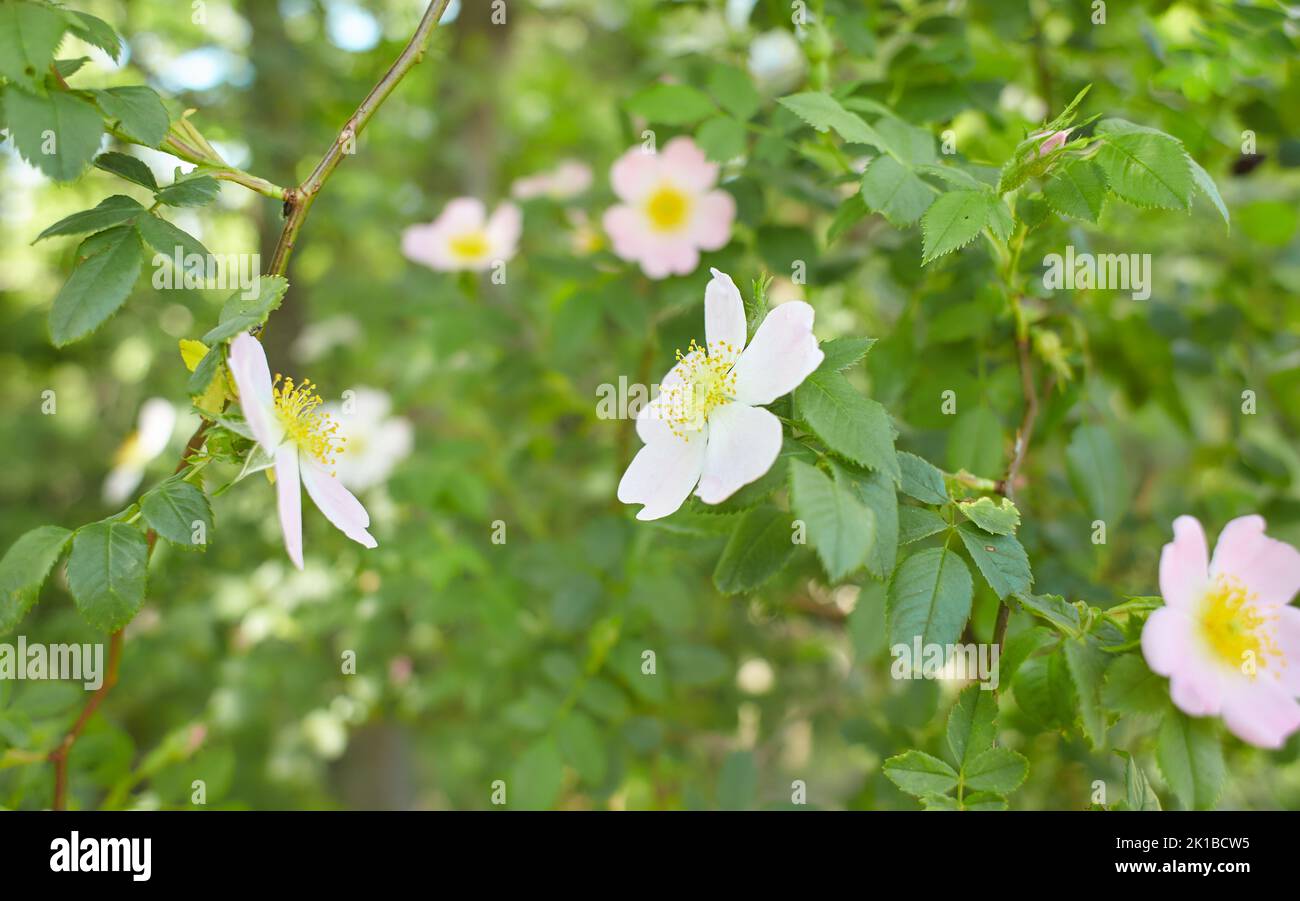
[1183, 566]
[337, 503]
[253, 379]
[724, 316]
[783, 353]
[744, 442]
[289, 499]
[157, 422]
[662, 475]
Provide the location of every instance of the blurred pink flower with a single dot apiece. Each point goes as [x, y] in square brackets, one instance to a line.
[283, 418]
[1054, 140]
[670, 210]
[1227, 638]
[707, 425]
[464, 237]
[569, 179]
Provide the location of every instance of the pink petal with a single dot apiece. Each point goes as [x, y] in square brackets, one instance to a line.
[1287, 636]
[1269, 568]
[744, 442]
[1166, 639]
[1183, 570]
[1196, 690]
[711, 220]
[629, 234]
[337, 503]
[1262, 714]
[685, 163]
[462, 214]
[253, 379]
[503, 230]
[289, 497]
[662, 475]
[724, 316]
[783, 353]
[634, 174]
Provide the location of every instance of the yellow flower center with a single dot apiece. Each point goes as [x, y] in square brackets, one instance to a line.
[313, 432]
[667, 209]
[1235, 627]
[706, 382]
[470, 246]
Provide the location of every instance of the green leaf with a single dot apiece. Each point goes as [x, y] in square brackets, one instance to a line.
[138, 110]
[1053, 609]
[839, 527]
[70, 67]
[1077, 189]
[1045, 692]
[953, 221]
[671, 104]
[174, 508]
[1098, 473]
[23, 570]
[877, 492]
[1144, 167]
[133, 169]
[1209, 188]
[918, 773]
[915, 523]
[921, 480]
[822, 112]
[164, 237]
[204, 373]
[849, 213]
[1000, 518]
[894, 191]
[29, 36]
[1001, 560]
[1191, 758]
[851, 425]
[930, 597]
[107, 266]
[996, 770]
[841, 353]
[975, 442]
[581, 747]
[1138, 793]
[912, 145]
[984, 801]
[193, 190]
[239, 313]
[738, 781]
[58, 133]
[1131, 687]
[107, 572]
[95, 32]
[733, 90]
[536, 778]
[971, 724]
[757, 550]
[721, 138]
[111, 211]
[1087, 665]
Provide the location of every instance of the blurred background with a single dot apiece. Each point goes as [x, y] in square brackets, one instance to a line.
[521, 661]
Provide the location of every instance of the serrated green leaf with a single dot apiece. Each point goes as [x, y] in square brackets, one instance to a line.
[1138, 793]
[851, 425]
[759, 548]
[954, 220]
[878, 493]
[733, 90]
[839, 527]
[57, 133]
[1191, 758]
[107, 266]
[851, 211]
[671, 104]
[138, 110]
[23, 571]
[1206, 183]
[997, 770]
[29, 36]
[192, 190]
[1053, 609]
[96, 32]
[921, 479]
[165, 238]
[111, 211]
[1077, 189]
[1144, 167]
[895, 192]
[240, 314]
[930, 597]
[1000, 517]
[174, 509]
[971, 724]
[107, 573]
[133, 169]
[1001, 559]
[984, 801]
[1045, 691]
[918, 773]
[1087, 665]
[839, 354]
[822, 112]
[915, 523]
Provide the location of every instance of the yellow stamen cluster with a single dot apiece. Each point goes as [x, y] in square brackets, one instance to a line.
[470, 245]
[296, 407]
[706, 382]
[667, 208]
[1236, 628]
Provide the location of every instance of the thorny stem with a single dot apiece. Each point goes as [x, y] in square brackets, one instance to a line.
[297, 202]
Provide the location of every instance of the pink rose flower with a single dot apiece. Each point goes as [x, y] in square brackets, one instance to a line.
[569, 179]
[1227, 638]
[671, 209]
[464, 237]
[1054, 140]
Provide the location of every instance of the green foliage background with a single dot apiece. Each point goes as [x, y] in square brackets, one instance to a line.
[525, 658]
